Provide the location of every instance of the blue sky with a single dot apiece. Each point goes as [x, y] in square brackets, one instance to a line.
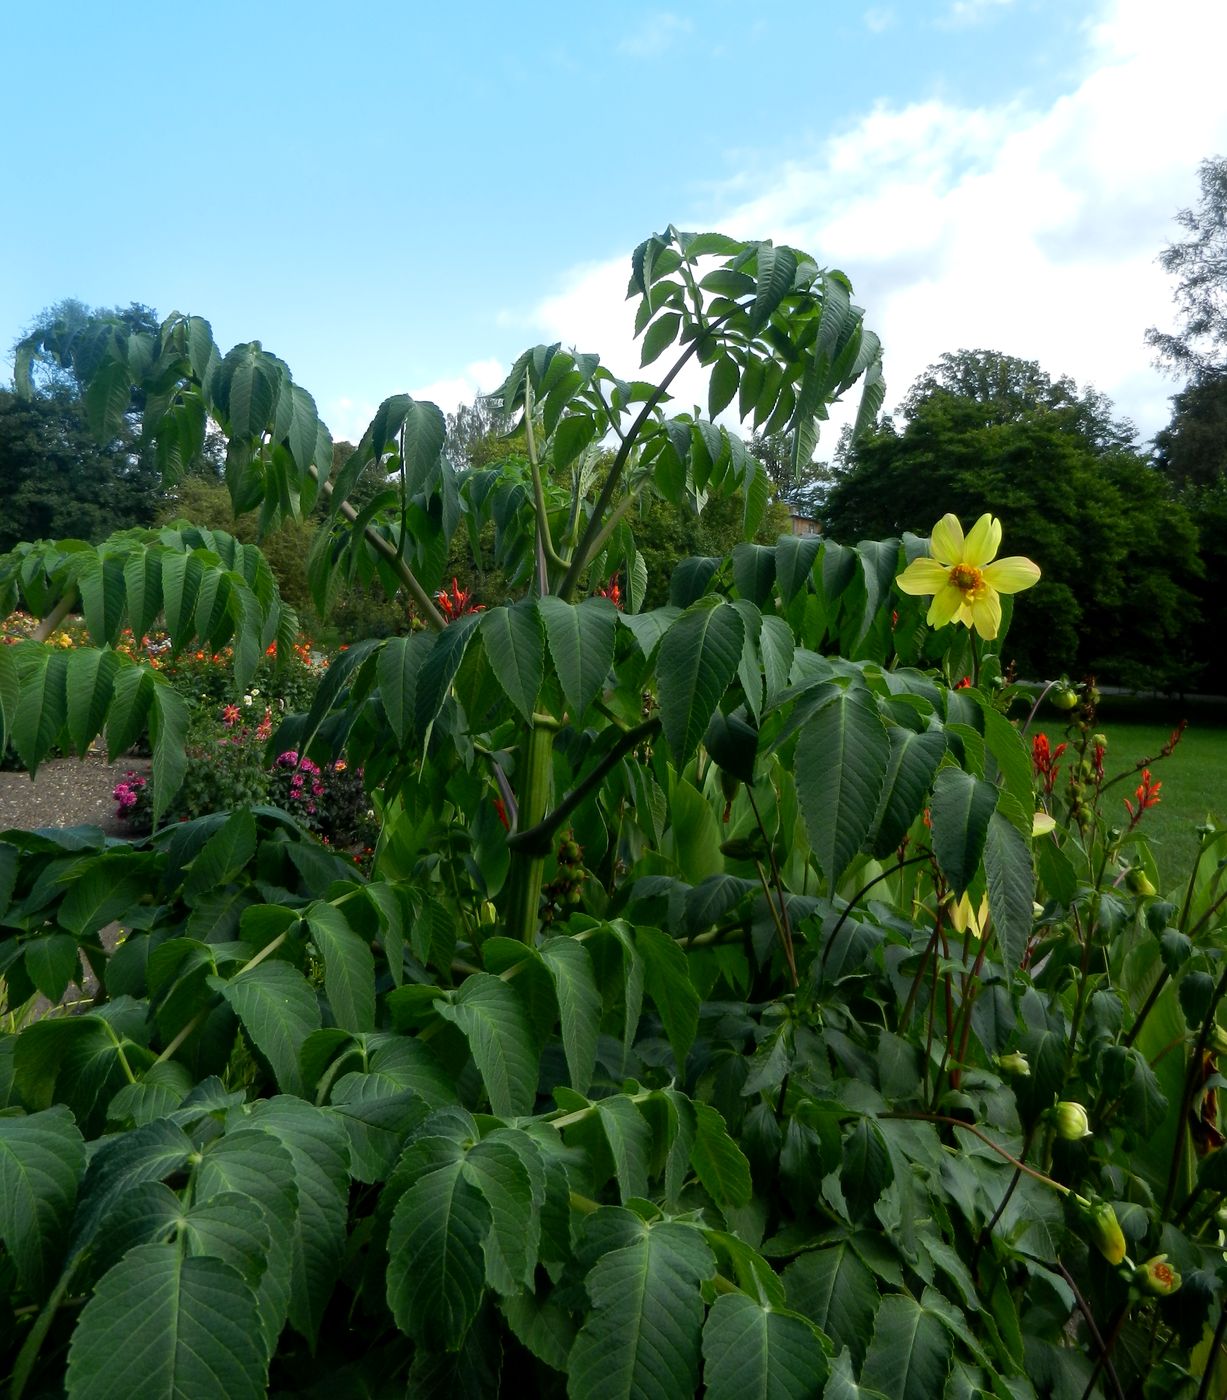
[401, 197]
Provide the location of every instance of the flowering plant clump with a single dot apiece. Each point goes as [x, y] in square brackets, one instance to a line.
[1046, 761]
[612, 590]
[457, 602]
[962, 578]
[331, 801]
[132, 799]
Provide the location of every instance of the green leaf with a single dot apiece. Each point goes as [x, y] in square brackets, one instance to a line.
[108, 396]
[911, 1351]
[438, 669]
[579, 1006]
[400, 660]
[1011, 888]
[960, 812]
[89, 686]
[717, 1160]
[106, 887]
[697, 660]
[251, 382]
[776, 270]
[436, 1264]
[516, 647]
[168, 1324]
[581, 639]
[841, 763]
[279, 1010]
[495, 1023]
[319, 1149]
[866, 1169]
[349, 967]
[130, 702]
[497, 1170]
[667, 982]
[913, 762]
[224, 855]
[752, 1352]
[42, 705]
[630, 1143]
[52, 962]
[42, 1159]
[723, 385]
[660, 335]
[835, 1290]
[168, 722]
[1010, 754]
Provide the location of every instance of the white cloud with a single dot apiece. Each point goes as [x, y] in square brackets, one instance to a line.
[963, 13]
[658, 32]
[1029, 230]
[878, 18]
[477, 378]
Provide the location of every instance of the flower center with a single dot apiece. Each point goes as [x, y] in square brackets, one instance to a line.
[965, 577]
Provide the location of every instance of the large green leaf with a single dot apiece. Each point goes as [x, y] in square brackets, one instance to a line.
[164, 1323]
[516, 647]
[835, 1290]
[841, 763]
[319, 1149]
[866, 1170]
[349, 966]
[89, 685]
[495, 1022]
[960, 812]
[718, 1162]
[279, 1010]
[1011, 887]
[581, 639]
[168, 722]
[42, 1158]
[776, 269]
[224, 855]
[752, 1352]
[641, 1341]
[630, 1143]
[911, 1351]
[697, 659]
[400, 660]
[436, 1264]
[913, 762]
[499, 1172]
[438, 669]
[579, 1006]
[667, 982]
[42, 704]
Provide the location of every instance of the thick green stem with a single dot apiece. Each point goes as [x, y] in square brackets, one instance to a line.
[528, 866]
[56, 615]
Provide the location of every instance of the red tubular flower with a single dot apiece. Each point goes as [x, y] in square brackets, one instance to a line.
[1147, 795]
[1045, 761]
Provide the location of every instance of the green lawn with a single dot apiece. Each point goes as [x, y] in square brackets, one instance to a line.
[1194, 783]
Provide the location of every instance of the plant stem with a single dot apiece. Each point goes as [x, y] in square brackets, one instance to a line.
[56, 615]
[1203, 1390]
[784, 924]
[987, 1141]
[1190, 1088]
[528, 865]
[547, 556]
[1105, 1350]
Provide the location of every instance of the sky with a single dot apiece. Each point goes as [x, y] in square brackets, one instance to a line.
[395, 196]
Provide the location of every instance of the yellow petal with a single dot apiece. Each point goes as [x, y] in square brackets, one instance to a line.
[922, 576]
[1042, 824]
[946, 541]
[983, 542]
[986, 613]
[945, 604]
[1012, 575]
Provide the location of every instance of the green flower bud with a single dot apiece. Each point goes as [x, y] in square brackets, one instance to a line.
[1063, 698]
[1137, 882]
[1157, 1276]
[1071, 1121]
[1014, 1064]
[1100, 741]
[1216, 1041]
[487, 914]
[1105, 1232]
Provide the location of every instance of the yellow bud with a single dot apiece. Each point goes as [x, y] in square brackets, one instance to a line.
[1105, 1232]
[1137, 882]
[1014, 1064]
[1071, 1121]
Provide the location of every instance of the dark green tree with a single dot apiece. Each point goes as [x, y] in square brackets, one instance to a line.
[987, 432]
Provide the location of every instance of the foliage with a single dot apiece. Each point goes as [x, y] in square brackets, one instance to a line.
[697, 1027]
[989, 433]
[1198, 348]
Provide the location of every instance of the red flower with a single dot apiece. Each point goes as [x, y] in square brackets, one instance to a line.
[1045, 760]
[612, 591]
[1147, 795]
[231, 715]
[456, 603]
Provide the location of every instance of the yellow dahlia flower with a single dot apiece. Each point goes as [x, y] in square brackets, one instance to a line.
[964, 581]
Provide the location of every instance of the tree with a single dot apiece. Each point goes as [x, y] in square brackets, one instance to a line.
[988, 432]
[1197, 349]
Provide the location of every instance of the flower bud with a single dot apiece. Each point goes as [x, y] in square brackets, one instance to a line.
[1216, 1041]
[1137, 882]
[1157, 1276]
[1014, 1065]
[1071, 1121]
[1105, 1232]
[487, 915]
[1063, 698]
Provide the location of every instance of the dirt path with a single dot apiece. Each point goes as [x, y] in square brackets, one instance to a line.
[67, 792]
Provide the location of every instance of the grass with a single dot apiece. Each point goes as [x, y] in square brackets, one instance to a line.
[1194, 778]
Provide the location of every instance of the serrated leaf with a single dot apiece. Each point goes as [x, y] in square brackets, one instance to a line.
[717, 1160]
[52, 962]
[279, 1010]
[1011, 887]
[224, 855]
[436, 1264]
[515, 645]
[89, 685]
[913, 762]
[438, 669]
[495, 1168]
[722, 387]
[866, 1169]
[42, 1159]
[495, 1022]
[168, 722]
[171, 1325]
[910, 1354]
[697, 660]
[960, 811]
[776, 269]
[660, 335]
[349, 967]
[581, 641]
[579, 1006]
[400, 660]
[641, 1341]
[630, 1142]
[752, 1352]
[841, 763]
[667, 982]
[835, 1290]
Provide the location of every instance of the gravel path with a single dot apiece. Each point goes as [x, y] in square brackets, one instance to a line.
[67, 792]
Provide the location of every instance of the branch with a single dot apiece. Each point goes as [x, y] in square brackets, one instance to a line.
[56, 615]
